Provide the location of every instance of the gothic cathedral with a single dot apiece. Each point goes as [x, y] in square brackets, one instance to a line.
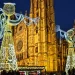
[35, 45]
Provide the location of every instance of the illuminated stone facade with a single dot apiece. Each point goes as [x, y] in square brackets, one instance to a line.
[62, 52]
[36, 44]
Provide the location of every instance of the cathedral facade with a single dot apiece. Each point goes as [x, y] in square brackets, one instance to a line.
[36, 45]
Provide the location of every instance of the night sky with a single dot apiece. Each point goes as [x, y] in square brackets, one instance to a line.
[64, 11]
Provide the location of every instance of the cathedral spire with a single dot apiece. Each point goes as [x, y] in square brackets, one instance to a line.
[31, 8]
[38, 7]
[35, 8]
[51, 2]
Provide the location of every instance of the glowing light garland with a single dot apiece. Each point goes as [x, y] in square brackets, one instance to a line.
[19, 18]
[11, 60]
[61, 31]
[70, 37]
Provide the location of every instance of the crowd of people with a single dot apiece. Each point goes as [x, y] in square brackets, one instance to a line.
[10, 72]
[71, 72]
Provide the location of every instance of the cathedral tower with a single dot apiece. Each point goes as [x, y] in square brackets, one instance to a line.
[38, 41]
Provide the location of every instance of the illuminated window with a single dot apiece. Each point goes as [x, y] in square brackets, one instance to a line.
[21, 56]
[36, 50]
[36, 29]
[18, 57]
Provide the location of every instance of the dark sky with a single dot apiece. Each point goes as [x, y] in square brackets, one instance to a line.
[64, 11]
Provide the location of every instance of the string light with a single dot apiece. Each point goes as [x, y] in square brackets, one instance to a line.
[70, 62]
[10, 57]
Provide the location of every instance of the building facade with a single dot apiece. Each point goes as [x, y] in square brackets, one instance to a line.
[36, 45]
[62, 52]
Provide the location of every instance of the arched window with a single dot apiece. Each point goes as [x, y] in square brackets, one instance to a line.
[36, 50]
[36, 29]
